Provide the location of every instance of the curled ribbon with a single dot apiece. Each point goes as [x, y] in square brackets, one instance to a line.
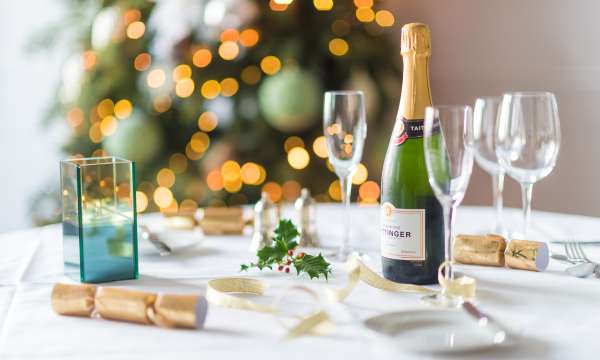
[461, 287]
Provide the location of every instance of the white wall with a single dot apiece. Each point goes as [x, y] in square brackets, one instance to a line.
[488, 47]
[28, 154]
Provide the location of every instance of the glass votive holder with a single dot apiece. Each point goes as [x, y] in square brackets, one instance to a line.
[99, 219]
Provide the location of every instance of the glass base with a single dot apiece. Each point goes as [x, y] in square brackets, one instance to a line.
[341, 254]
[442, 300]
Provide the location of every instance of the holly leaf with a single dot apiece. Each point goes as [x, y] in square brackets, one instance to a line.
[286, 231]
[314, 266]
[244, 267]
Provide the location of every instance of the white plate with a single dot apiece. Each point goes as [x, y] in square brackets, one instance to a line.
[430, 331]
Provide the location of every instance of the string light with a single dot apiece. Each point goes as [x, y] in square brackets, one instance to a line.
[202, 58]
[200, 142]
[283, 2]
[323, 5]
[131, 15]
[163, 197]
[273, 190]
[136, 30]
[99, 153]
[292, 142]
[229, 86]
[363, 3]
[89, 59]
[210, 89]
[291, 190]
[141, 201]
[105, 108]
[249, 37]
[369, 191]
[95, 133]
[75, 117]
[361, 174]
[365, 14]
[108, 125]
[334, 190]
[162, 103]
[270, 65]
[251, 75]
[142, 62]
[214, 180]
[298, 158]
[178, 163]
[384, 18]
[231, 171]
[320, 147]
[172, 208]
[188, 206]
[207, 121]
[156, 78]
[228, 50]
[338, 47]
[232, 186]
[123, 109]
[181, 72]
[250, 173]
[191, 154]
[229, 35]
[273, 5]
[184, 88]
[165, 177]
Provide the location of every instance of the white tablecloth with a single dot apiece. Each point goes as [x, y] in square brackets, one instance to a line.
[557, 315]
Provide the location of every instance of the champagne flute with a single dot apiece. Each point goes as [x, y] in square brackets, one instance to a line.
[528, 141]
[485, 117]
[447, 141]
[345, 130]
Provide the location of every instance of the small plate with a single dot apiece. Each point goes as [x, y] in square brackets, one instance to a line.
[431, 331]
[176, 240]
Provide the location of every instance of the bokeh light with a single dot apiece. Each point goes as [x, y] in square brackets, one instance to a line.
[163, 197]
[181, 72]
[210, 89]
[363, 3]
[229, 50]
[323, 5]
[214, 180]
[365, 14]
[99, 153]
[105, 108]
[292, 142]
[270, 64]
[231, 171]
[142, 62]
[207, 121]
[384, 18]
[334, 191]
[251, 75]
[165, 177]
[229, 86]
[291, 190]
[178, 163]
[75, 117]
[202, 58]
[273, 5]
[361, 174]
[200, 142]
[320, 147]
[172, 208]
[273, 190]
[338, 47]
[230, 34]
[108, 125]
[191, 154]
[95, 133]
[136, 30]
[298, 158]
[232, 186]
[185, 88]
[249, 37]
[369, 192]
[156, 78]
[141, 201]
[162, 103]
[131, 15]
[123, 109]
[89, 59]
[188, 207]
[250, 173]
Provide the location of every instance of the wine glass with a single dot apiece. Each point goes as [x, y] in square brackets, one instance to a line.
[447, 141]
[485, 117]
[345, 130]
[528, 141]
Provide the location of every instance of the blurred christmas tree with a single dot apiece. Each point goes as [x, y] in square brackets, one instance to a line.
[218, 100]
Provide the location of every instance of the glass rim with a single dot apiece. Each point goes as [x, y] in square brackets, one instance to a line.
[344, 92]
[528, 93]
[490, 97]
[102, 160]
[450, 107]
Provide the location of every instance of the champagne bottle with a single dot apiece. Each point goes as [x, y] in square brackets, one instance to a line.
[412, 225]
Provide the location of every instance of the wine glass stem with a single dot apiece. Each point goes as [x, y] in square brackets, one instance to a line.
[449, 211]
[526, 190]
[346, 191]
[498, 188]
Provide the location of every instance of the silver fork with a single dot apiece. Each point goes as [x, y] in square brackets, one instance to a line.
[576, 254]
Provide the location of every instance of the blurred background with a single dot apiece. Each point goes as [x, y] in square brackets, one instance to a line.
[218, 100]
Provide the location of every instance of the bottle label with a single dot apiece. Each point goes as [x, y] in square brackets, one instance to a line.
[402, 233]
[408, 129]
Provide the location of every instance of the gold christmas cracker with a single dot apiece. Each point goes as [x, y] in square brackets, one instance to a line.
[172, 311]
[222, 220]
[527, 255]
[479, 249]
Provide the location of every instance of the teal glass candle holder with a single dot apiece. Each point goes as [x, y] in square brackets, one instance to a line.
[99, 219]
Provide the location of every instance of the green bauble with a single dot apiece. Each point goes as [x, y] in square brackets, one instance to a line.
[291, 100]
[136, 139]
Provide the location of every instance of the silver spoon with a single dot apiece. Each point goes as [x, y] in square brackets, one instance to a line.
[582, 270]
[163, 249]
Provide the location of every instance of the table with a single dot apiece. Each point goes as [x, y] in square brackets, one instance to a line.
[558, 315]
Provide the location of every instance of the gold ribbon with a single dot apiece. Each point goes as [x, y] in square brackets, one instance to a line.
[219, 293]
[180, 311]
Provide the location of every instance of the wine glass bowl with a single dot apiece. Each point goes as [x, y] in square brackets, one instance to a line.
[345, 130]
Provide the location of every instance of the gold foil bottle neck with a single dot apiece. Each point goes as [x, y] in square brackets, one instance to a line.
[416, 38]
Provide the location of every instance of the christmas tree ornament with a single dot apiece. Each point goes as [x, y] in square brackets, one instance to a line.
[266, 218]
[136, 139]
[291, 100]
[305, 207]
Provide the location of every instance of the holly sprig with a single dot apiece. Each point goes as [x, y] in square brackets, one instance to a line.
[281, 254]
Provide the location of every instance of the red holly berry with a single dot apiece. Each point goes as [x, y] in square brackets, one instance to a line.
[290, 252]
[301, 255]
[288, 262]
[280, 267]
[287, 269]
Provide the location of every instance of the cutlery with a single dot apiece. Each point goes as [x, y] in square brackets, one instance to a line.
[561, 257]
[163, 249]
[485, 321]
[585, 266]
[563, 242]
